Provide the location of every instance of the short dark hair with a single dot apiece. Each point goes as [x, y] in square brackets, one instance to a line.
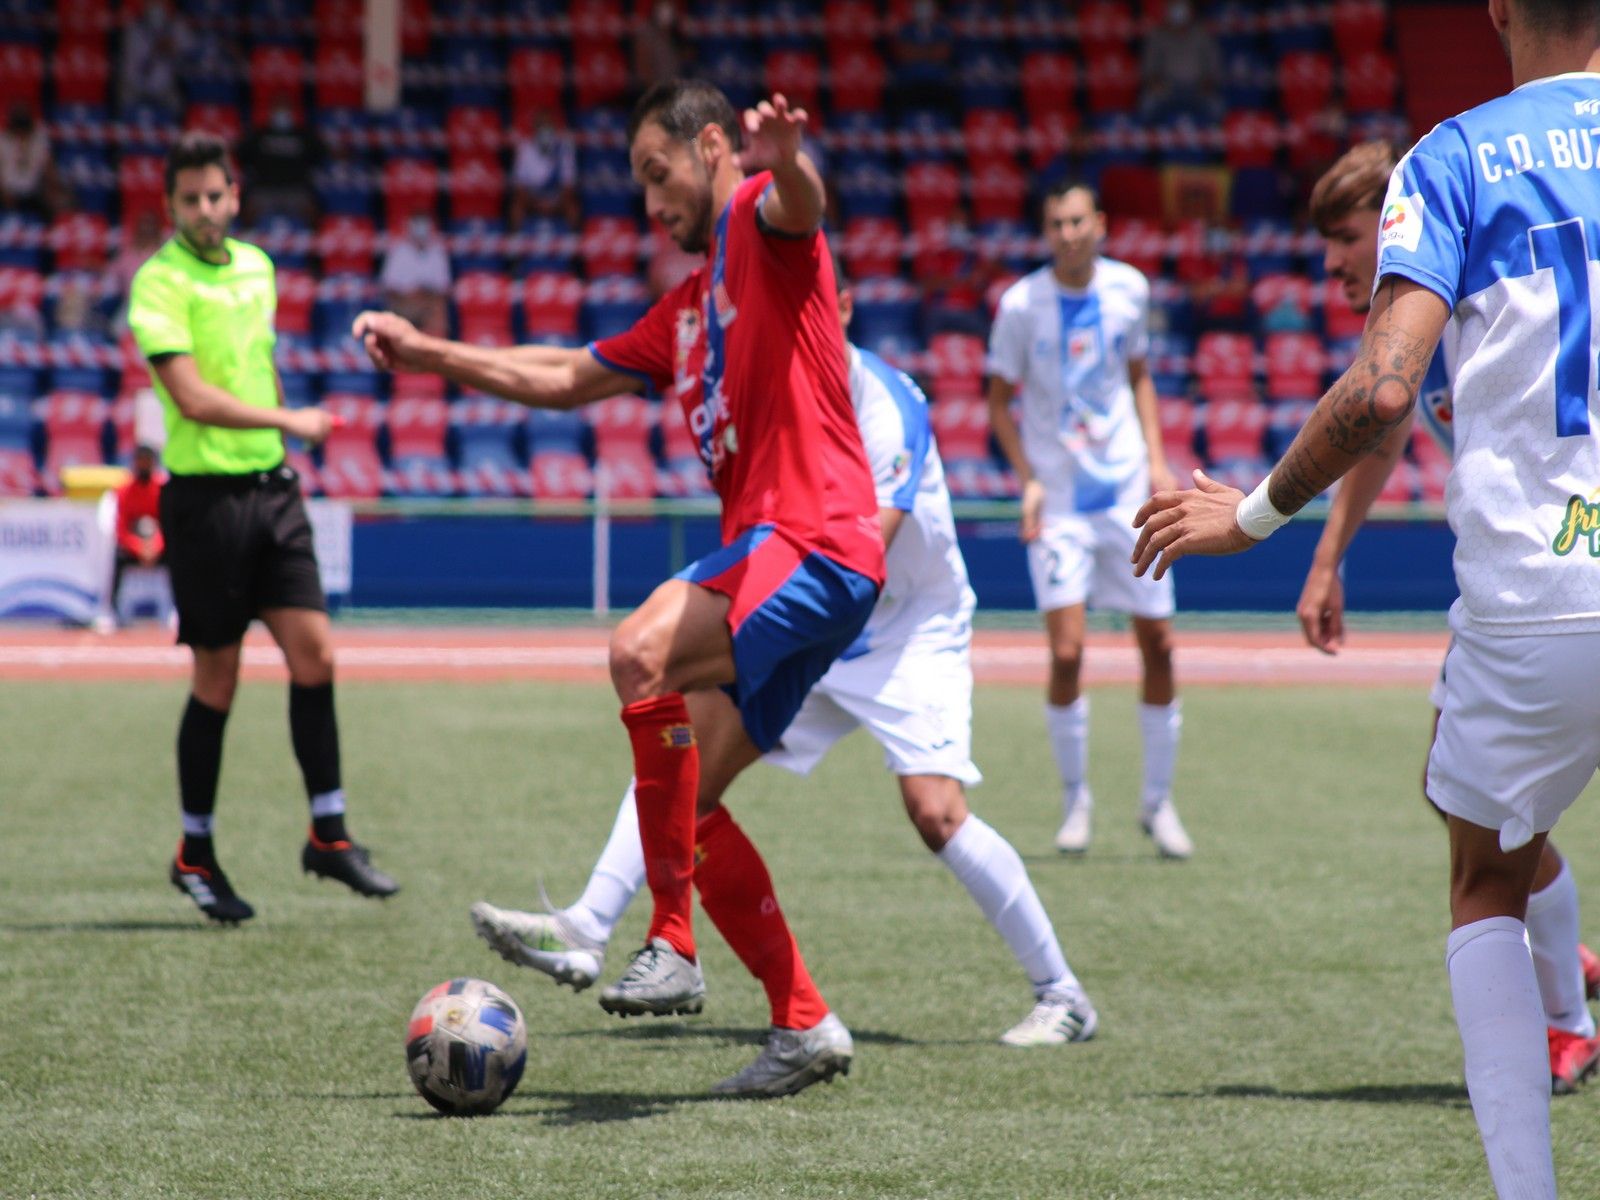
[1356, 183]
[683, 107]
[196, 148]
[1058, 191]
[1563, 17]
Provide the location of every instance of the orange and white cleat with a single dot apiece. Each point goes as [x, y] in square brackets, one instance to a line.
[1591, 971]
[1572, 1060]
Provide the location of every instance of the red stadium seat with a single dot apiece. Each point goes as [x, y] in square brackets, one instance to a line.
[417, 426]
[550, 305]
[18, 476]
[1224, 366]
[74, 425]
[1339, 320]
[848, 24]
[297, 294]
[960, 421]
[483, 304]
[600, 77]
[21, 291]
[871, 247]
[1138, 242]
[409, 386]
[22, 67]
[1131, 191]
[956, 363]
[1113, 83]
[410, 186]
[536, 77]
[277, 76]
[346, 244]
[1177, 435]
[351, 468]
[609, 246]
[477, 187]
[415, 28]
[1250, 138]
[1305, 83]
[1049, 136]
[1358, 26]
[78, 241]
[1105, 27]
[1234, 429]
[989, 134]
[933, 192]
[473, 130]
[1049, 84]
[84, 19]
[999, 191]
[1403, 484]
[142, 185]
[797, 75]
[341, 75]
[857, 79]
[622, 427]
[81, 69]
[220, 119]
[339, 23]
[1296, 364]
[1370, 83]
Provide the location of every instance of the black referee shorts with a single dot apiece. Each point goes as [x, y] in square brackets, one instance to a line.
[237, 544]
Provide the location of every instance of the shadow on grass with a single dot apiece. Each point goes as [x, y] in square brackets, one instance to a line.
[129, 926]
[1439, 1095]
[658, 1031]
[579, 1108]
[1083, 862]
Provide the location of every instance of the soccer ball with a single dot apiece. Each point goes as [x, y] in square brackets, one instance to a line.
[466, 1046]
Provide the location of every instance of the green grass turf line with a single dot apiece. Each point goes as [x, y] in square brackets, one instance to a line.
[1275, 1013]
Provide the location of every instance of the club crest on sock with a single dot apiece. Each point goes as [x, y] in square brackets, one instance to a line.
[677, 737]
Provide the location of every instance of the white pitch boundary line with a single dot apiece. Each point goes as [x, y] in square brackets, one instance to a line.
[1245, 662]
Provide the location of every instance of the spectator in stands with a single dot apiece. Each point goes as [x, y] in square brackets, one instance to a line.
[1182, 68]
[278, 160]
[922, 51]
[660, 50]
[139, 539]
[954, 274]
[544, 176]
[1219, 283]
[28, 181]
[416, 275]
[155, 48]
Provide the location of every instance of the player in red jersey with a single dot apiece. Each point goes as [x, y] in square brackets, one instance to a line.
[714, 665]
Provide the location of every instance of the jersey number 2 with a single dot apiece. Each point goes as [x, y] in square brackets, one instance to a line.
[1561, 247]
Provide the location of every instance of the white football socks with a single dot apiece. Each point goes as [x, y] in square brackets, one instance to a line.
[1507, 1062]
[1068, 725]
[991, 870]
[616, 879]
[1160, 725]
[1553, 938]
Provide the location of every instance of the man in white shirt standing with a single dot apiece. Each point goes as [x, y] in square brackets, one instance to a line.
[1069, 342]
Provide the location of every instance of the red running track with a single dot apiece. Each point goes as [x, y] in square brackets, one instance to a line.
[502, 652]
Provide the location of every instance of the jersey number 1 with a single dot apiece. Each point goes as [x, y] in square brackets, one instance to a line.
[1562, 248]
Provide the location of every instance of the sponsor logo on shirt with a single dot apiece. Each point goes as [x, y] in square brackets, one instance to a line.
[1402, 223]
[1080, 344]
[1581, 520]
[723, 302]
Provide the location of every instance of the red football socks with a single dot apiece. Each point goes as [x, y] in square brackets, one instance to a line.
[666, 768]
[736, 892]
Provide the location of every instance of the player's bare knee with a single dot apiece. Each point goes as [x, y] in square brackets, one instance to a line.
[937, 807]
[312, 666]
[638, 662]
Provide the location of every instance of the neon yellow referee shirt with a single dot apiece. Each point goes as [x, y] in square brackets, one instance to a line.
[222, 315]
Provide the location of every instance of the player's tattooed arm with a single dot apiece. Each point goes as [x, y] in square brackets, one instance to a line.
[1370, 400]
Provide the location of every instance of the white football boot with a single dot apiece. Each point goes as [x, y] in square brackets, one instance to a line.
[1058, 1017]
[659, 982]
[791, 1060]
[1073, 836]
[1165, 830]
[546, 942]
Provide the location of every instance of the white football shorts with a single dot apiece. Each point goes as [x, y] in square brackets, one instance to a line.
[1519, 730]
[1086, 558]
[915, 700]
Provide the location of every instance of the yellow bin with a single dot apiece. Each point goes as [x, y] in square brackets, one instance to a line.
[87, 483]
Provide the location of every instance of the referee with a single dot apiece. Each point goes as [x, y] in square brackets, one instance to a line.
[238, 539]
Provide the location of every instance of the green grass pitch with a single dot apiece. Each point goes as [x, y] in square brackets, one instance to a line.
[1275, 1014]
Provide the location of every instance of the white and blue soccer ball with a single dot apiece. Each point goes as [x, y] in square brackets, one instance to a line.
[466, 1047]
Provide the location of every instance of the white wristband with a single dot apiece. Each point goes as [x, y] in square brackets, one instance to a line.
[1256, 515]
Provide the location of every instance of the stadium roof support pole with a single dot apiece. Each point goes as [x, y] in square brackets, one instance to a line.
[602, 539]
[381, 54]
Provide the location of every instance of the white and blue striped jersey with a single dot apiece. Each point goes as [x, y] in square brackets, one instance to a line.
[1067, 352]
[1498, 212]
[925, 595]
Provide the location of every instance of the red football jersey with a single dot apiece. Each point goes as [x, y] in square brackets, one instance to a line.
[750, 346]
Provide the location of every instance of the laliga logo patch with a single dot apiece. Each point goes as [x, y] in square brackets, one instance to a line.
[677, 737]
[723, 302]
[1402, 223]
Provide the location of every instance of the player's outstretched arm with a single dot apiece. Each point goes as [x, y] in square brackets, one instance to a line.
[772, 135]
[1369, 401]
[208, 404]
[1006, 433]
[1321, 606]
[538, 376]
